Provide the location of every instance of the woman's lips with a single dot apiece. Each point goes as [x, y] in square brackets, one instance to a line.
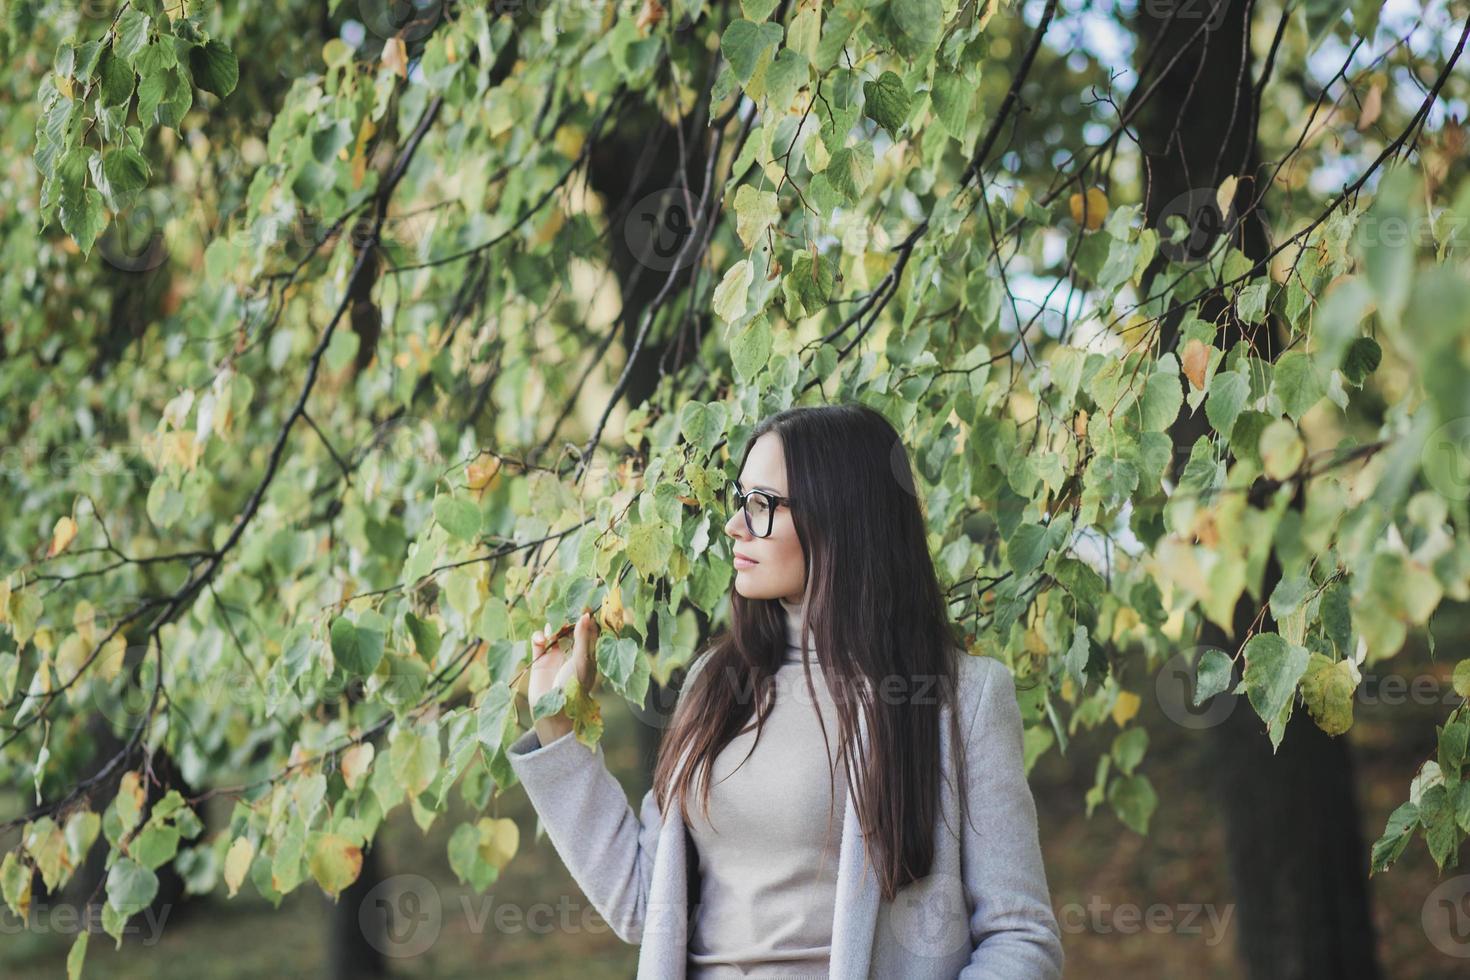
[742, 562]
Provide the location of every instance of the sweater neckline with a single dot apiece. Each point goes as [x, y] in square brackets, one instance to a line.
[794, 653]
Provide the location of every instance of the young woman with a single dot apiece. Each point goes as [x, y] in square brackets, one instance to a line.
[862, 808]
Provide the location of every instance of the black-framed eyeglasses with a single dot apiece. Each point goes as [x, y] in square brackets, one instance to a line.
[759, 507]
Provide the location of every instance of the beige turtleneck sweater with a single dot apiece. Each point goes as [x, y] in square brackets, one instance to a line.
[769, 848]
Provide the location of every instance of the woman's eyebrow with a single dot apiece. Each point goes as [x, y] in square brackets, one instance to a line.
[759, 486]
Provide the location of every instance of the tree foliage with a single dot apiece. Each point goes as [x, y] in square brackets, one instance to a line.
[300, 308]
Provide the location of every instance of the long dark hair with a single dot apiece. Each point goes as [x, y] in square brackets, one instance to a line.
[874, 603]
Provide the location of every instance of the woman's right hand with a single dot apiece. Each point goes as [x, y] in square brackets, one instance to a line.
[551, 667]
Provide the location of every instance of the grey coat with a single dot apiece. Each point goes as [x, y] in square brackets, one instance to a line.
[984, 911]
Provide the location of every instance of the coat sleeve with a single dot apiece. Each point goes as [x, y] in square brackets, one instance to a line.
[607, 849]
[1013, 930]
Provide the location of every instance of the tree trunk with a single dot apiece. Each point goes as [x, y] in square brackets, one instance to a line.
[636, 168]
[1296, 856]
[351, 951]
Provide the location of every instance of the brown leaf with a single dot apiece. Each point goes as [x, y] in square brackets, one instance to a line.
[650, 15]
[1196, 361]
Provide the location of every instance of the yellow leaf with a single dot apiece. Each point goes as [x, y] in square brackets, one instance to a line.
[612, 615]
[568, 140]
[335, 863]
[70, 656]
[1225, 195]
[395, 56]
[62, 535]
[130, 799]
[84, 619]
[1125, 707]
[237, 863]
[1095, 206]
[355, 762]
[499, 841]
[110, 660]
[482, 475]
[1372, 106]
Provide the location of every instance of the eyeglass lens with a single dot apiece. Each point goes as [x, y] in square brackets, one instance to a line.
[757, 513]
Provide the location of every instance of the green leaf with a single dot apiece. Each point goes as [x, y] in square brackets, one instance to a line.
[1228, 391]
[1163, 396]
[1460, 678]
[1295, 383]
[785, 76]
[414, 759]
[1396, 835]
[755, 211]
[497, 704]
[465, 860]
[425, 635]
[1362, 359]
[1282, 449]
[757, 10]
[915, 25]
[155, 845]
[851, 171]
[1272, 668]
[77, 955]
[1212, 676]
[458, 516]
[1250, 302]
[1133, 799]
[887, 102]
[132, 34]
[807, 288]
[1327, 691]
[84, 218]
[730, 294]
[15, 884]
[131, 887]
[215, 68]
[1028, 548]
[751, 349]
[702, 423]
[126, 170]
[356, 651]
[151, 92]
[952, 96]
[117, 80]
[1128, 748]
[744, 44]
[649, 547]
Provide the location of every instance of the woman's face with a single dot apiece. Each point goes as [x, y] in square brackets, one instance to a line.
[780, 569]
